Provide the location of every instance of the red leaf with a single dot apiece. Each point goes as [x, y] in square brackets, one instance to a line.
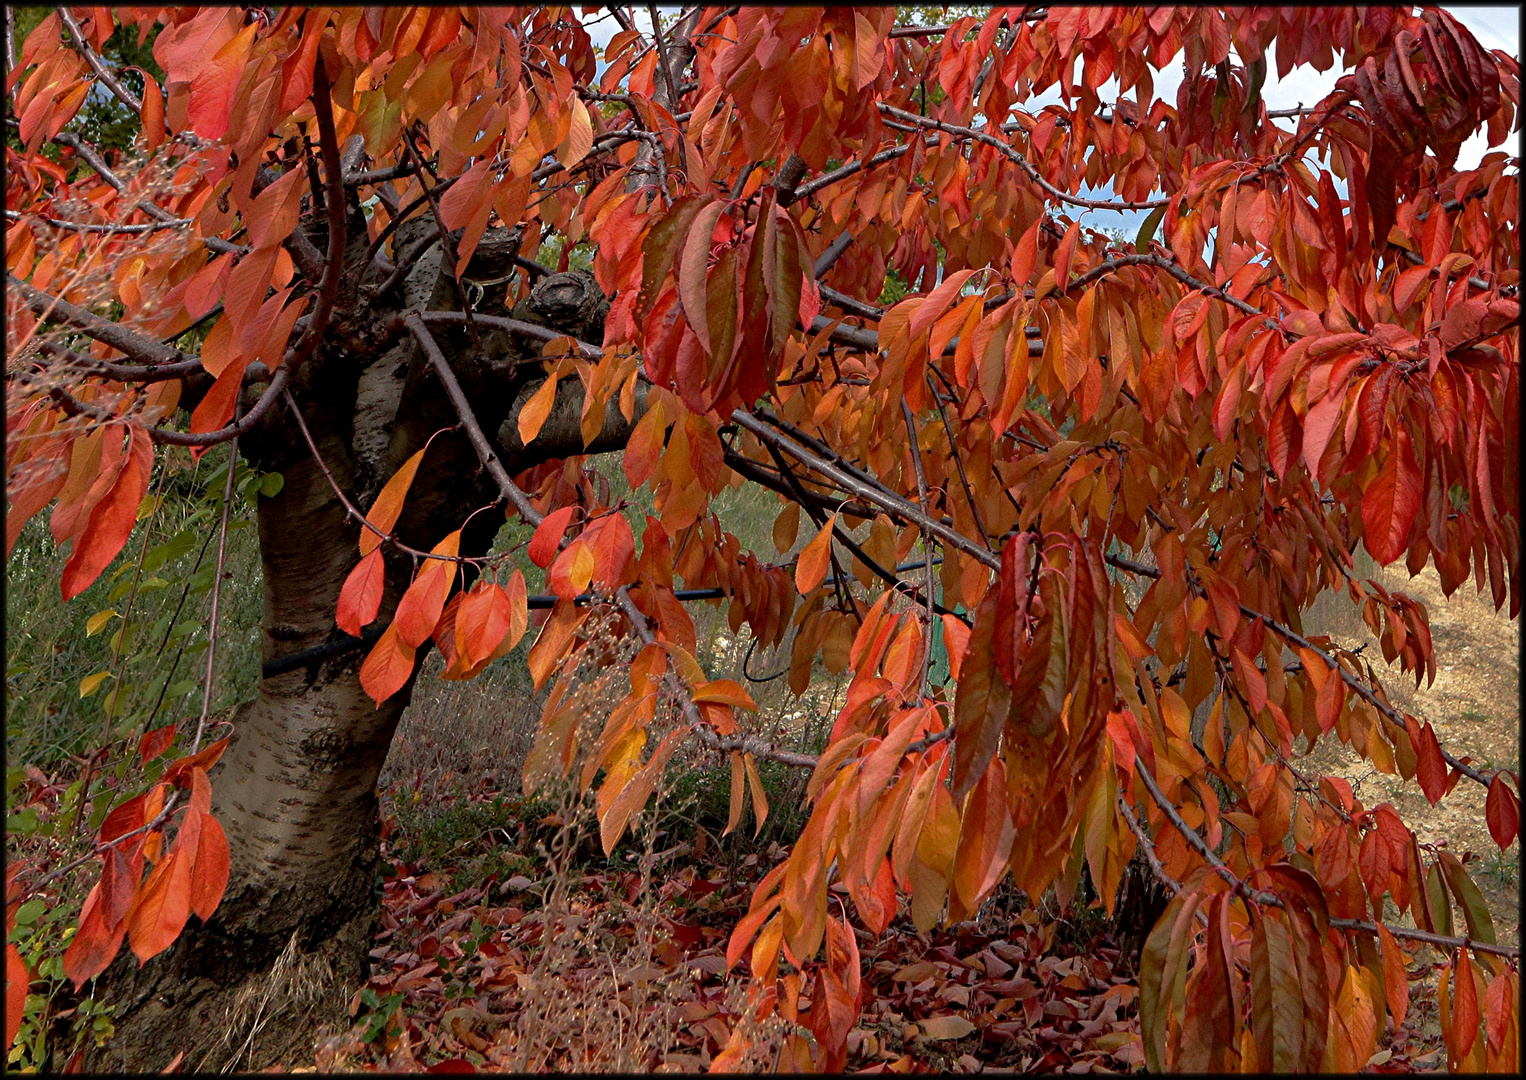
[548, 536]
[1464, 1006]
[419, 609]
[692, 267]
[210, 879]
[481, 622]
[1065, 253]
[112, 518]
[297, 71]
[361, 595]
[94, 947]
[1431, 767]
[1502, 810]
[1391, 502]
[155, 742]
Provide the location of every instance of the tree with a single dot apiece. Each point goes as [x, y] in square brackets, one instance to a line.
[1140, 466]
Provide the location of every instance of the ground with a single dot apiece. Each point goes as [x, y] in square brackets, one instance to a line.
[635, 979]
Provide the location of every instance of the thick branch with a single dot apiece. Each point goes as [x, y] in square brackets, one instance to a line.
[128, 342]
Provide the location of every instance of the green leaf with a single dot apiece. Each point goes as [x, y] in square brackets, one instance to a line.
[1147, 230]
[271, 484]
[28, 912]
[1474, 910]
[1441, 907]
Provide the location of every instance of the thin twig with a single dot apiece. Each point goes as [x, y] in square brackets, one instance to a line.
[927, 540]
[1251, 895]
[217, 588]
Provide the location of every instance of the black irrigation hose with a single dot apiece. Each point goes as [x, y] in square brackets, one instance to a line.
[318, 653]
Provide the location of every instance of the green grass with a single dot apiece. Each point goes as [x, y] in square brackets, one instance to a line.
[155, 667]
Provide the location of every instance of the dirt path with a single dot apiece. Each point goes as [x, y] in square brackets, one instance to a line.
[1474, 707]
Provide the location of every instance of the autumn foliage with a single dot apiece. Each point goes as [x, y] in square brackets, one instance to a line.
[1141, 464]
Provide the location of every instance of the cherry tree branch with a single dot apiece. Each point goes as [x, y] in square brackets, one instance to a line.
[126, 341]
[1021, 161]
[1288, 634]
[1251, 895]
[98, 65]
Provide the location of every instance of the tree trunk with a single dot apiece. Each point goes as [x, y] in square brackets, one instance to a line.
[296, 793]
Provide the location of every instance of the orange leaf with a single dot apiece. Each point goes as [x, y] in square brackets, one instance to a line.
[548, 536]
[532, 415]
[111, 520]
[152, 113]
[985, 838]
[815, 558]
[645, 445]
[519, 613]
[573, 570]
[274, 213]
[482, 621]
[204, 760]
[361, 595]
[1065, 253]
[210, 880]
[724, 692]
[163, 907]
[389, 504]
[1395, 979]
[419, 609]
[387, 666]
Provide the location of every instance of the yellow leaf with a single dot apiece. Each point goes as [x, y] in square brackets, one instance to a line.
[91, 683]
[97, 622]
